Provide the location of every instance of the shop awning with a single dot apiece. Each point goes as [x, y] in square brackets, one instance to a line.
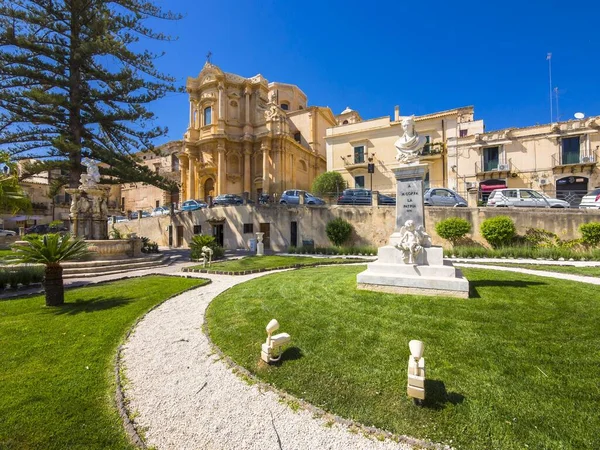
[491, 187]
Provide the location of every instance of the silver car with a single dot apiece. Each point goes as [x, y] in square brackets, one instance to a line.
[442, 197]
[525, 198]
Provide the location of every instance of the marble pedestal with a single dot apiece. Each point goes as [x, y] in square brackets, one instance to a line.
[430, 276]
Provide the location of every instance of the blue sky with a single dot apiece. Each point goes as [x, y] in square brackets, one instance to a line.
[423, 56]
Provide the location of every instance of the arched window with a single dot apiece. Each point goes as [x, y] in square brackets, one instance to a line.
[208, 115]
[303, 165]
[345, 122]
[285, 106]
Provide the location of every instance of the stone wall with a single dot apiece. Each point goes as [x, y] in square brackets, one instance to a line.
[372, 225]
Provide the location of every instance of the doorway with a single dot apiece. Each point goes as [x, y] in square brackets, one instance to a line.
[571, 189]
[179, 235]
[266, 229]
[209, 189]
[218, 234]
[294, 234]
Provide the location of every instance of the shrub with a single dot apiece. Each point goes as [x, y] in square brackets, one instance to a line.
[338, 231]
[590, 234]
[538, 237]
[453, 229]
[329, 183]
[498, 231]
[202, 240]
[149, 246]
[115, 233]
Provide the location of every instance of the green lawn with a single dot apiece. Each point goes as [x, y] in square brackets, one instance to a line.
[4, 254]
[514, 366]
[574, 270]
[57, 364]
[272, 262]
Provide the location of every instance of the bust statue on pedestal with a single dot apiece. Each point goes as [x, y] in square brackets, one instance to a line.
[410, 145]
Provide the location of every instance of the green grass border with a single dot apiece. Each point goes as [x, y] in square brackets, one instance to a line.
[292, 266]
[246, 376]
[132, 432]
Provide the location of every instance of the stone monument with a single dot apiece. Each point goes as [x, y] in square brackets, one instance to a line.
[410, 264]
[89, 217]
[260, 247]
[89, 205]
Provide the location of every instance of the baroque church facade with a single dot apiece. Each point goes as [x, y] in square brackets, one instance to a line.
[248, 136]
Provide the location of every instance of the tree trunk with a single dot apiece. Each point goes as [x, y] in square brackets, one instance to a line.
[53, 285]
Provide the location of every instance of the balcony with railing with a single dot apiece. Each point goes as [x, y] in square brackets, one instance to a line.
[433, 151]
[573, 161]
[493, 169]
[357, 161]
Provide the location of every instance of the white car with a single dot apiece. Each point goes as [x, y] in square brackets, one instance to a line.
[7, 233]
[525, 198]
[591, 200]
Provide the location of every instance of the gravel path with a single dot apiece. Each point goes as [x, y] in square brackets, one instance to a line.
[185, 397]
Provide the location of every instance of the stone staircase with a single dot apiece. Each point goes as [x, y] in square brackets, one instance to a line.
[88, 269]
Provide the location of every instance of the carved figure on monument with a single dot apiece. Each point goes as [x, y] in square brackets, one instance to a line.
[92, 177]
[84, 205]
[412, 241]
[410, 144]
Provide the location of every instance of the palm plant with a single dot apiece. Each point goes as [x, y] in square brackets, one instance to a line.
[51, 250]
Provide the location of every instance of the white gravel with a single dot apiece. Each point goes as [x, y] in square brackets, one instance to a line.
[184, 397]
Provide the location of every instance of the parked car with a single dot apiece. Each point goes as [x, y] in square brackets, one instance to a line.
[134, 215]
[526, 198]
[7, 233]
[228, 199]
[442, 197]
[292, 197]
[591, 200]
[360, 196]
[193, 205]
[45, 229]
[117, 219]
[160, 211]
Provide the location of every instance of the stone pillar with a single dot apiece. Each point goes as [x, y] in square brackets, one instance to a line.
[265, 168]
[375, 198]
[191, 124]
[472, 198]
[409, 197]
[221, 169]
[183, 164]
[191, 178]
[247, 175]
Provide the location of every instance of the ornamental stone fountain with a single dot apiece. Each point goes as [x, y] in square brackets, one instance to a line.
[89, 218]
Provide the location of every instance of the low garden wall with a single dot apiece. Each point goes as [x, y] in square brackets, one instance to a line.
[372, 224]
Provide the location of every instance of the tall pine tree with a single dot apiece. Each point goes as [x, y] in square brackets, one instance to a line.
[73, 85]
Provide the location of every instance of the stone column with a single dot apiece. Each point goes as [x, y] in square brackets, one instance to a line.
[191, 178]
[247, 175]
[191, 124]
[221, 172]
[247, 115]
[265, 168]
[183, 164]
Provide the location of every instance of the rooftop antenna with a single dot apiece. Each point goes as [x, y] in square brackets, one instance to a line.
[208, 55]
[556, 96]
[549, 59]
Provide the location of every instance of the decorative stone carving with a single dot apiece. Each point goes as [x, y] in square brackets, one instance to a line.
[410, 145]
[92, 177]
[206, 254]
[412, 241]
[272, 113]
